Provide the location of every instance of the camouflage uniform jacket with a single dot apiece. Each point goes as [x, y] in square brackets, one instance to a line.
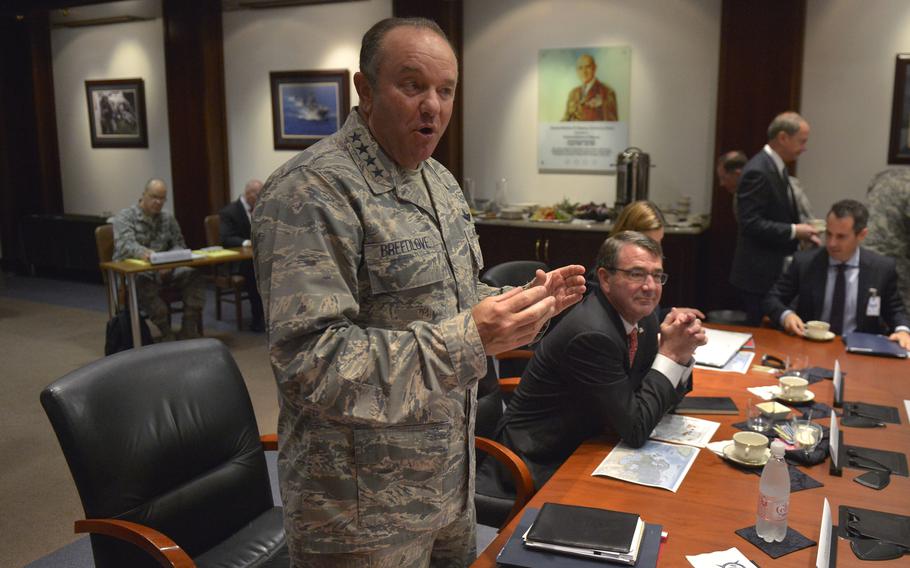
[889, 222]
[135, 232]
[368, 282]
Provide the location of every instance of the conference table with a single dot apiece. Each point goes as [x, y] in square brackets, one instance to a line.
[715, 498]
[130, 268]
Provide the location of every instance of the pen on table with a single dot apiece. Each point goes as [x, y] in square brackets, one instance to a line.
[861, 349]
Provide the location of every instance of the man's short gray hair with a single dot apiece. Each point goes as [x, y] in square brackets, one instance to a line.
[151, 182]
[788, 122]
[608, 255]
[371, 45]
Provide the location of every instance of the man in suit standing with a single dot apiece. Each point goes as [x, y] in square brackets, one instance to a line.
[851, 287]
[235, 232]
[602, 369]
[768, 214]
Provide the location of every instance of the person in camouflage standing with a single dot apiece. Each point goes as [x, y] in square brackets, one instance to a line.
[143, 229]
[889, 222]
[367, 261]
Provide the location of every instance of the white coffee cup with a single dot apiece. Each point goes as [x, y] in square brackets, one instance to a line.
[817, 329]
[749, 446]
[793, 387]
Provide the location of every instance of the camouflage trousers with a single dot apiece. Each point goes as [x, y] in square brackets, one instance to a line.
[453, 546]
[188, 281]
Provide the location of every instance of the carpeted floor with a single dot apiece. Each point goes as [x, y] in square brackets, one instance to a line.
[48, 328]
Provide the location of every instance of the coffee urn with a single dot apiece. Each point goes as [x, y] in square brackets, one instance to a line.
[632, 167]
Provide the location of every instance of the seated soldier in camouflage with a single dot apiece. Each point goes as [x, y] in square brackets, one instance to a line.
[143, 229]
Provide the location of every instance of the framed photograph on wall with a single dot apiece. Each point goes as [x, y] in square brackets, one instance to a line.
[307, 106]
[116, 113]
[899, 146]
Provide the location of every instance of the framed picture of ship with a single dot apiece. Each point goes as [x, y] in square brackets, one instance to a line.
[308, 106]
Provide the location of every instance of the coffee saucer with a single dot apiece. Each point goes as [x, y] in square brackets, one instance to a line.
[805, 398]
[828, 336]
[731, 455]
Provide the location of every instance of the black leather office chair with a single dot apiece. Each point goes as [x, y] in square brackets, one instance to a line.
[164, 449]
[493, 509]
[512, 273]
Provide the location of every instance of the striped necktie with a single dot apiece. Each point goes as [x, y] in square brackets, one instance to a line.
[633, 344]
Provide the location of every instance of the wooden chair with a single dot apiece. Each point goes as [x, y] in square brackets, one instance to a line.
[104, 243]
[492, 509]
[228, 287]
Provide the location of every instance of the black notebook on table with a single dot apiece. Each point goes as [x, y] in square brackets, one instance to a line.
[587, 531]
[706, 405]
[516, 554]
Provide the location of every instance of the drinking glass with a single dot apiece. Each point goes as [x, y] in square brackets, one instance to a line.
[756, 421]
[806, 435]
[797, 366]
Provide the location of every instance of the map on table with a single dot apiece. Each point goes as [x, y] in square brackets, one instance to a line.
[685, 430]
[655, 464]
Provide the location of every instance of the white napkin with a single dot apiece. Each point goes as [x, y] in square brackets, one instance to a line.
[730, 557]
[765, 393]
[718, 446]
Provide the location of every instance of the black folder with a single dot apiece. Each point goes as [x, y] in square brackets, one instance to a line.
[585, 528]
[706, 405]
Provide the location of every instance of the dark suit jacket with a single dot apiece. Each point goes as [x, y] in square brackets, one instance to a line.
[580, 384]
[765, 212]
[235, 225]
[802, 289]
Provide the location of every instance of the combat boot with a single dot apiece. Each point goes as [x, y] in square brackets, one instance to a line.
[192, 324]
[163, 323]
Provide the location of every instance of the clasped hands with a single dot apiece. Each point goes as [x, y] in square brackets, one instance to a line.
[514, 318]
[680, 334]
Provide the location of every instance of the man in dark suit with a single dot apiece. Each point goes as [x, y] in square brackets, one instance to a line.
[851, 287]
[602, 369]
[768, 215]
[235, 232]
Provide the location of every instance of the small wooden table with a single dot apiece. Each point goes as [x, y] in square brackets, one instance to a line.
[129, 269]
[715, 499]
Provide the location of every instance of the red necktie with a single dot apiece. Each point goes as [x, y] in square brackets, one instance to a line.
[633, 344]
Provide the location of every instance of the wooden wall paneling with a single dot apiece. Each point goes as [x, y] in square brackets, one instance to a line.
[760, 75]
[449, 14]
[194, 66]
[29, 156]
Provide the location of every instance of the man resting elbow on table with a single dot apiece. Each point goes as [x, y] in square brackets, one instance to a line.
[602, 369]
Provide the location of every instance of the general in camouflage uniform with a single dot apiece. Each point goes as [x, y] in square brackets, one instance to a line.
[143, 229]
[889, 222]
[368, 273]
[367, 261]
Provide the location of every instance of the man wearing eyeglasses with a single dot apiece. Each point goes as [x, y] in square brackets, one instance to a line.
[143, 229]
[602, 369]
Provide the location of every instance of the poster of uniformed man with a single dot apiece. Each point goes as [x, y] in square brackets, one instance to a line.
[583, 108]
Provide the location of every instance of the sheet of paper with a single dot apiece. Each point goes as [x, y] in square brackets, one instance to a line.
[907, 408]
[721, 347]
[833, 438]
[838, 380]
[655, 464]
[687, 430]
[729, 557]
[738, 364]
[765, 393]
[822, 560]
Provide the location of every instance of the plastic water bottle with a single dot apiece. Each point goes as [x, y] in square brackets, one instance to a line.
[774, 496]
